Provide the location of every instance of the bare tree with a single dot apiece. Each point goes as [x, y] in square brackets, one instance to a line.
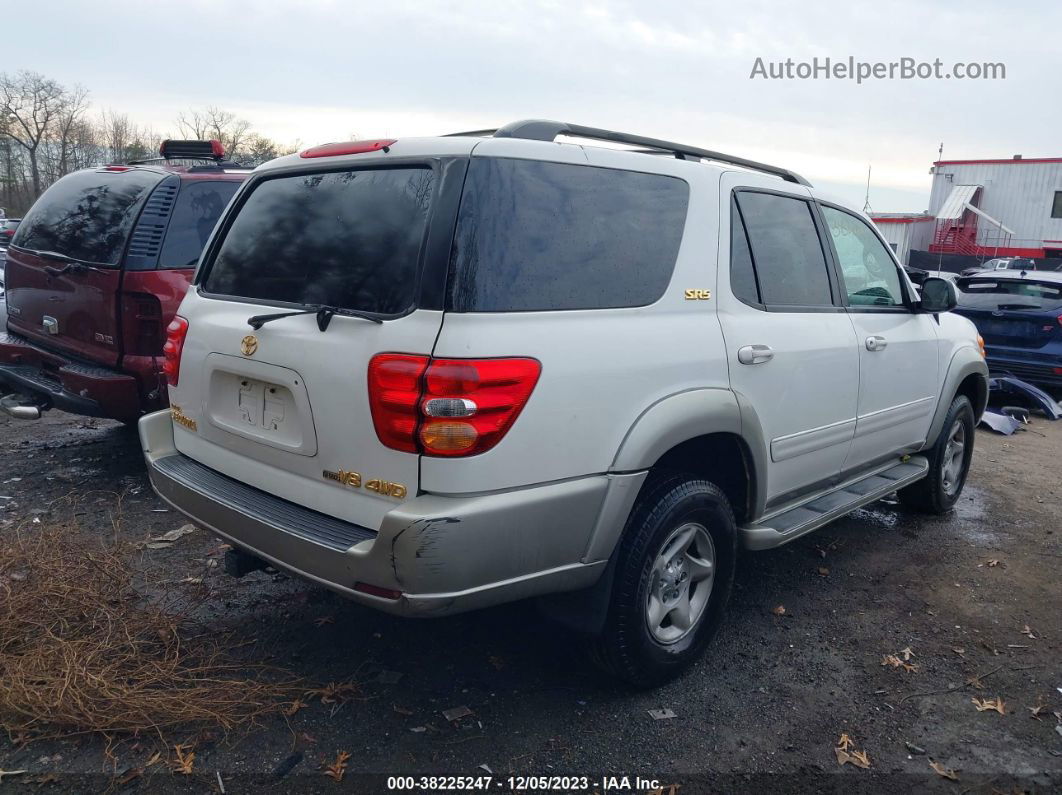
[192, 125]
[31, 104]
[257, 149]
[69, 116]
[217, 124]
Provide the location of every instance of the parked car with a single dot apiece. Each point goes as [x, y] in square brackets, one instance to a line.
[1020, 317]
[94, 274]
[7, 231]
[1003, 264]
[438, 374]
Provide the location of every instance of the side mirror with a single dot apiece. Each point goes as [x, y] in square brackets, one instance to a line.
[938, 295]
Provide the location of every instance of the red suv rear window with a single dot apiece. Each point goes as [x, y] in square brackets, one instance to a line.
[87, 215]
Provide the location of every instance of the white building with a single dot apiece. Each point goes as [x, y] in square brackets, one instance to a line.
[905, 232]
[997, 207]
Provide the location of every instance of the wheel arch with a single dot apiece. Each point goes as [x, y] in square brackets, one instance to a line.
[967, 375]
[707, 432]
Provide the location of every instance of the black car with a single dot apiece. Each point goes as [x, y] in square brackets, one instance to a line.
[1019, 314]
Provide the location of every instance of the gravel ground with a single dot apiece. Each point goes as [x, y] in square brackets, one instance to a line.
[975, 593]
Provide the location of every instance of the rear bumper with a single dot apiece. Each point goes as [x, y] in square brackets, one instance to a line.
[1039, 369]
[443, 554]
[67, 384]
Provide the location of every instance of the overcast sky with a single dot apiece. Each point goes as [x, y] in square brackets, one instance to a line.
[318, 71]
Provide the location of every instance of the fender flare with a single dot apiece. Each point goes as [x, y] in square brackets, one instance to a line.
[675, 419]
[665, 424]
[687, 415]
[966, 361]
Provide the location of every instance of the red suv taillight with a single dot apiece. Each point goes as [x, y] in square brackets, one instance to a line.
[447, 407]
[171, 351]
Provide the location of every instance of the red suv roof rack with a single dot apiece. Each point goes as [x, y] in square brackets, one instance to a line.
[199, 155]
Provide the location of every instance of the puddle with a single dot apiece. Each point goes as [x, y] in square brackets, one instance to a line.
[879, 514]
[970, 516]
[971, 505]
[968, 520]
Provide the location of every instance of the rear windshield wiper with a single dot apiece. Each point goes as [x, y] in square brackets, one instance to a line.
[324, 316]
[72, 265]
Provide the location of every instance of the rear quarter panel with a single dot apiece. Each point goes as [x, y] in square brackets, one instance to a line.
[601, 369]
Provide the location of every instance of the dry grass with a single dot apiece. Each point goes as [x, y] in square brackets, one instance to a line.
[82, 651]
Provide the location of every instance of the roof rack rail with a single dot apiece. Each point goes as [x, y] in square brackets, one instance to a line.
[471, 134]
[193, 163]
[545, 130]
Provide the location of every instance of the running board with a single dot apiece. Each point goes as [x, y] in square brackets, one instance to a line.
[795, 522]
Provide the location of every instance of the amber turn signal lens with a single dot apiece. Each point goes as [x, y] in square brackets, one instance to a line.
[981, 345]
[447, 436]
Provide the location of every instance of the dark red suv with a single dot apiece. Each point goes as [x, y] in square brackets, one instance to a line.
[96, 271]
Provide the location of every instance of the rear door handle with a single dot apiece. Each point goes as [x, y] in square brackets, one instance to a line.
[755, 354]
[876, 343]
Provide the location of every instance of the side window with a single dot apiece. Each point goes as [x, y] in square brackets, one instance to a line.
[536, 236]
[786, 250]
[198, 206]
[870, 274]
[742, 274]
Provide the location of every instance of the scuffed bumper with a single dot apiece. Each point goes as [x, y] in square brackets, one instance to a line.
[444, 554]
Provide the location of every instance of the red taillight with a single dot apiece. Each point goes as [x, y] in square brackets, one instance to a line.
[394, 395]
[171, 351]
[447, 407]
[469, 404]
[348, 148]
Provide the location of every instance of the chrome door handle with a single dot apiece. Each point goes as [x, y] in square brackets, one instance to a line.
[876, 343]
[755, 354]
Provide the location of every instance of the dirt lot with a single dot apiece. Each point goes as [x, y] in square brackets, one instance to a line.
[975, 594]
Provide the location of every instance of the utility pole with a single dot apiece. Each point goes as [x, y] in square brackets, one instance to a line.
[866, 201]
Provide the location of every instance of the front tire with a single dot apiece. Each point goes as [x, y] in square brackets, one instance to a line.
[949, 463]
[674, 572]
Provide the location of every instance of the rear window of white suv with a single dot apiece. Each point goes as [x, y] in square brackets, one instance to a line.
[349, 239]
[550, 236]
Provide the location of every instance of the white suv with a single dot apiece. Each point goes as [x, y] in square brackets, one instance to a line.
[442, 373]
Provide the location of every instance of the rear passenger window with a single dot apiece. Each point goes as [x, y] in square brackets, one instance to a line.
[786, 251]
[198, 206]
[549, 236]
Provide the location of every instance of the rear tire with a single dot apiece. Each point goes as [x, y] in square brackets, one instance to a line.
[674, 572]
[949, 463]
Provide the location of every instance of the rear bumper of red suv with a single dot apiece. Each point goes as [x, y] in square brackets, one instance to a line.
[67, 384]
